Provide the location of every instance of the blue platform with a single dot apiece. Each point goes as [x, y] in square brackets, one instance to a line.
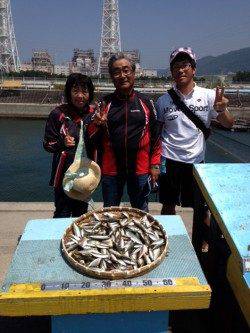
[226, 189]
[38, 260]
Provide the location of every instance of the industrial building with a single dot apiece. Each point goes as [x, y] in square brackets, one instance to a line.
[83, 61]
[42, 61]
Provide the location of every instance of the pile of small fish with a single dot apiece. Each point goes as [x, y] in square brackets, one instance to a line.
[111, 241]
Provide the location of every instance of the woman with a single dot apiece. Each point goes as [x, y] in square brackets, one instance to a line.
[62, 136]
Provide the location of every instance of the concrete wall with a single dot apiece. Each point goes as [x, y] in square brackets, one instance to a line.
[18, 110]
[25, 110]
[243, 112]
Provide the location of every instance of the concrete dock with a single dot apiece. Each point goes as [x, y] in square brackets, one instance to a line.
[14, 216]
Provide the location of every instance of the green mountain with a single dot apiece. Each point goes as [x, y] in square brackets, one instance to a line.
[230, 62]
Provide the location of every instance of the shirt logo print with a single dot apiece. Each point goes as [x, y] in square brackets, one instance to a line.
[172, 117]
[200, 108]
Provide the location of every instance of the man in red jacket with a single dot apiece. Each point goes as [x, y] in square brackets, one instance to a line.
[130, 139]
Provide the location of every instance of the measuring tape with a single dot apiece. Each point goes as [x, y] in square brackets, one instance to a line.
[246, 264]
[107, 284]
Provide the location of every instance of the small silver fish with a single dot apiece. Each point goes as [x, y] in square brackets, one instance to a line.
[156, 252]
[99, 237]
[100, 255]
[143, 251]
[103, 265]
[133, 237]
[72, 247]
[109, 215]
[147, 259]
[151, 254]
[77, 230]
[158, 243]
[95, 263]
[97, 218]
[125, 214]
[115, 241]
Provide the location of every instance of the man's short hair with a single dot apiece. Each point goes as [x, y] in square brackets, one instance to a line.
[78, 80]
[119, 56]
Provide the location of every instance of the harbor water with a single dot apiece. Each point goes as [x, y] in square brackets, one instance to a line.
[25, 166]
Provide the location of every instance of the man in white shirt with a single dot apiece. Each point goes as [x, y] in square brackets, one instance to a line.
[183, 143]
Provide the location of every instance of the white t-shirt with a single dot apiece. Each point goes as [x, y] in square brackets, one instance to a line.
[181, 139]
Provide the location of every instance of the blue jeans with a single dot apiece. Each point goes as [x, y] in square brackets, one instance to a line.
[112, 190]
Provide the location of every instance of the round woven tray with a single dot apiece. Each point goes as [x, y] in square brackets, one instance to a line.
[115, 273]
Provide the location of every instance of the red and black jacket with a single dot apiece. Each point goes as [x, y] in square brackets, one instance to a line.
[63, 120]
[130, 144]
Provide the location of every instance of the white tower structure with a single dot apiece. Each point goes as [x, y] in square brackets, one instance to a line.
[9, 59]
[110, 38]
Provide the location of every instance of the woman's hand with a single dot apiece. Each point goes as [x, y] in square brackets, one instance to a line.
[69, 141]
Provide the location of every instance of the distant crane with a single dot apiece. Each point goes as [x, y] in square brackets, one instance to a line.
[9, 58]
[110, 37]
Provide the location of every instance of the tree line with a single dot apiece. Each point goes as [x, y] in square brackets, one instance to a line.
[242, 77]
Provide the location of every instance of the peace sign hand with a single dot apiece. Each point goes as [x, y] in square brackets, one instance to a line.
[100, 118]
[221, 102]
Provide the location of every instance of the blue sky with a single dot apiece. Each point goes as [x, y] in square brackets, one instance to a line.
[154, 26]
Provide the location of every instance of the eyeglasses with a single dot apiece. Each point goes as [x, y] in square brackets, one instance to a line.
[118, 73]
[183, 66]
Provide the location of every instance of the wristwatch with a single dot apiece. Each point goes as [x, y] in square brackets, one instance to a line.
[155, 167]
